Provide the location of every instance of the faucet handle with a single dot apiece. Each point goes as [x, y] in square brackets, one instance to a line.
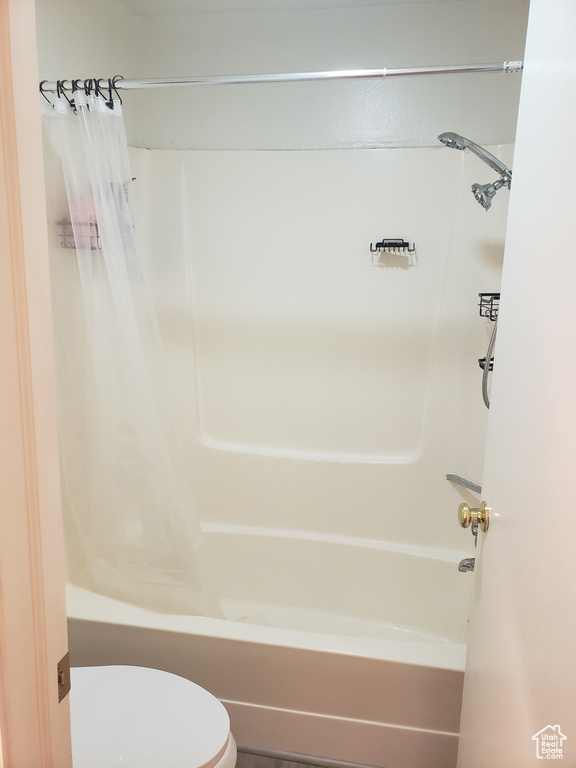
[481, 515]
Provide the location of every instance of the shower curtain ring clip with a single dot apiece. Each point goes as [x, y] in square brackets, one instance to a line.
[41, 89]
[113, 87]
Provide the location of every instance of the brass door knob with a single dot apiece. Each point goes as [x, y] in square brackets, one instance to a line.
[481, 515]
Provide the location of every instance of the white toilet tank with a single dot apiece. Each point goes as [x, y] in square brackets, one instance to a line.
[135, 717]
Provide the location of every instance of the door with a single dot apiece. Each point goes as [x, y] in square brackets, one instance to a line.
[34, 726]
[519, 695]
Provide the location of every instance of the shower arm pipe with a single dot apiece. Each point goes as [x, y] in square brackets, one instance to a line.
[288, 77]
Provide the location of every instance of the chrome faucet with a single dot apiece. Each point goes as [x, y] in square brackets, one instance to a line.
[467, 564]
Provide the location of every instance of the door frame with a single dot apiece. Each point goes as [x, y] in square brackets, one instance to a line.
[34, 726]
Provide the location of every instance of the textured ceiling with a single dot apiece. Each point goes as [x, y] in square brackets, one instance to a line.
[160, 7]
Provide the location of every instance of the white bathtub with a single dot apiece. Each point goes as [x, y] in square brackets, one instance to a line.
[340, 649]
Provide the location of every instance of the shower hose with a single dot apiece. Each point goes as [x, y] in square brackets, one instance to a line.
[489, 355]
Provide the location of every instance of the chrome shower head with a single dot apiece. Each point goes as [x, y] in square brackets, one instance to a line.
[485, 192]
[453, 140]
[482, 192]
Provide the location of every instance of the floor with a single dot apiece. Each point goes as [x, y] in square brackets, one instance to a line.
[246, 760]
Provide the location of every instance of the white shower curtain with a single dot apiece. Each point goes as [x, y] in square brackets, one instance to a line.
[129, 512]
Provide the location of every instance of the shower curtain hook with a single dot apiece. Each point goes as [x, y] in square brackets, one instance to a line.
[110, 102]
[97, 87]
[114, 79]
[61, 92]
[42, 92]
[75, 87]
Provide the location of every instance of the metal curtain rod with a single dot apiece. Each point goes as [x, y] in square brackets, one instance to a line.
[287, 77]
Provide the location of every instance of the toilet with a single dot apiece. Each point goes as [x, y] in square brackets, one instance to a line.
[135, 717]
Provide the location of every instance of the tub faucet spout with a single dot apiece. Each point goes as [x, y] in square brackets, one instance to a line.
[467, 564]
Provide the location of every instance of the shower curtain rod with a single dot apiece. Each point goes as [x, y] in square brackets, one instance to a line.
[172, 82]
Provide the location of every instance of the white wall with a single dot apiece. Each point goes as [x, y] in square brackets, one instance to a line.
[394, 112]
[85, 38]
[78, 38]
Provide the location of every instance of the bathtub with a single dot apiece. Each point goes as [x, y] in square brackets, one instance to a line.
[308, 663]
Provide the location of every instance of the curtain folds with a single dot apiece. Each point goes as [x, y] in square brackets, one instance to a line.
[132, 529]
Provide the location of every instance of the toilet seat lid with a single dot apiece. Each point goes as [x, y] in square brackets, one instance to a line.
[137, 717]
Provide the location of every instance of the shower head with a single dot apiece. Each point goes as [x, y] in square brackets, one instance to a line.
[485, 192]
[453, 140]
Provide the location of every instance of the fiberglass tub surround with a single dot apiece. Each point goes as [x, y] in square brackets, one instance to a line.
[310, 382]
[332, 394]
[321, 550]
[315, 392]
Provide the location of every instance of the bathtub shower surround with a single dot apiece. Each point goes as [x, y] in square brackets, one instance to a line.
[320, 400]
[309, 385]
[319, 397]
[318, 391]
[303, 384]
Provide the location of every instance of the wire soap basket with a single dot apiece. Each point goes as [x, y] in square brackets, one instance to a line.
[393, 253]
[86, 237]
[489, 305]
